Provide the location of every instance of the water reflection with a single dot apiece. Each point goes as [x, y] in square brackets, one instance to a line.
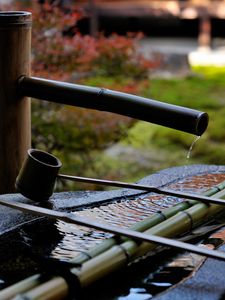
[1, 282]
[64, 241]
[137, 294]
[124, 213]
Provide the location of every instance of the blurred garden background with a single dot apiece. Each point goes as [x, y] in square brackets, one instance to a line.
[72, 43]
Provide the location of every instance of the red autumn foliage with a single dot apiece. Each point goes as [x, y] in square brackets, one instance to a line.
[59, 50]
[61, 55]
[75, 132]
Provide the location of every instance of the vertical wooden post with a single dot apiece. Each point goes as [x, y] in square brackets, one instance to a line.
[204, 37]
[15, 136]
[93, 18]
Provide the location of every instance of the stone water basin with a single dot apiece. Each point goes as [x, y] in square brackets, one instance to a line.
[154, 277]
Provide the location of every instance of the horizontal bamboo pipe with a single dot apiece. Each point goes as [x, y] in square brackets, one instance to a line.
[140, 226]
[177, 225]
[34, 281]
[71, 218]
[116, 257]
[145, 224]
[120, 255]
[139, 236]
[173, 116]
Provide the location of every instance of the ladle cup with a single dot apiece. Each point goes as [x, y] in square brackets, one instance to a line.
[37, 177]
[39, 172]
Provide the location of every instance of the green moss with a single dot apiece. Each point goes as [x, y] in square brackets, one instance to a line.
[194, 92]
[149, 147]
[215, 74]
[166, 147]
[205, 92]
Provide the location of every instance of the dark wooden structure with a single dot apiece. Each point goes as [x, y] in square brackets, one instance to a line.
[203, 11]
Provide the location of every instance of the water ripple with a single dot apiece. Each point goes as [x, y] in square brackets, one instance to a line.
[124, 213]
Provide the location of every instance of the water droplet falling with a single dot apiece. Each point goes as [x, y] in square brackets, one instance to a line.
[192, 145]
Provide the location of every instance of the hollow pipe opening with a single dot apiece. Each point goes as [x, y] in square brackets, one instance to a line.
[45, 158]
[173, 116]
[202, 123]
[17, 18]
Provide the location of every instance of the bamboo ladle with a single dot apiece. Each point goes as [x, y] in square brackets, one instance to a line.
[39, 173]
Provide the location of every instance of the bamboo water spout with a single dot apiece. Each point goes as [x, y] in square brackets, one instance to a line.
[15, 50]
[173, 116]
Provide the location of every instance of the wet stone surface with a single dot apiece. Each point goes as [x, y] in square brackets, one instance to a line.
[119, 207]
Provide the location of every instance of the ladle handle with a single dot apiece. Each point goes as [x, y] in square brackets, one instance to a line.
[37, 177]
[148, 188]
[141, 236]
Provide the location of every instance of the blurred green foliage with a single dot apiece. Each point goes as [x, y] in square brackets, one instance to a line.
[98, 144]
[141, 148]
[204, 91]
